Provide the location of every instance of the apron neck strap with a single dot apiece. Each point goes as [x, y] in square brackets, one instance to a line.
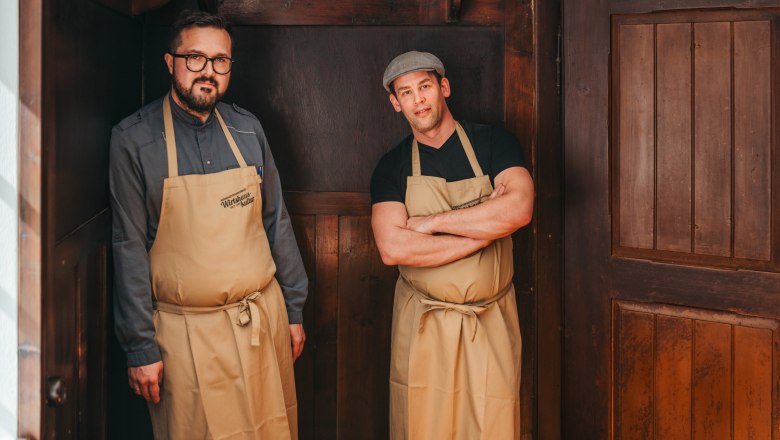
[464, 140]
[233, 146]
[170, 138]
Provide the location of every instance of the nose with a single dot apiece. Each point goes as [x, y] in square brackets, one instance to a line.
[418, 98]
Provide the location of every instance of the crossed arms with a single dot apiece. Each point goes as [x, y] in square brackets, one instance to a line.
[439, 239]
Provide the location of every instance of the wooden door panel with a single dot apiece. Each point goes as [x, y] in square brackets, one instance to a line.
[637, 134]
[673, 128]
[752, 140]
[692, 137]
[686, 373]
[671, 220]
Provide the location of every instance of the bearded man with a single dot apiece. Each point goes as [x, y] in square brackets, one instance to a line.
[209, 282]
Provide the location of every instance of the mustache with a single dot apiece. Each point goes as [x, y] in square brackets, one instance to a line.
[205, 79]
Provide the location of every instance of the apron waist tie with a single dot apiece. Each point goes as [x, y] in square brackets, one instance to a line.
[472, 310]
[247, 312]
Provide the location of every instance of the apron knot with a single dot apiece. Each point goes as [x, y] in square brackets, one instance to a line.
[249, 313]
[470, 310]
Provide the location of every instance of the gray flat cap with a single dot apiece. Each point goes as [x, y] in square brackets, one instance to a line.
[411, 62]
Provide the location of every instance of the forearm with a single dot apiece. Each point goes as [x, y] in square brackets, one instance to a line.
[508, 208]
[410, 248]
[489, 220]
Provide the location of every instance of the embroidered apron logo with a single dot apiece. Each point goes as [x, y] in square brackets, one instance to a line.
[241, 198]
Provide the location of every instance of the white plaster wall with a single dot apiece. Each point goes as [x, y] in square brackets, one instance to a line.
[9, 98]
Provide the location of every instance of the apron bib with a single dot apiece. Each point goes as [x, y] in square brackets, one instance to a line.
[220, 317]
[455, 363]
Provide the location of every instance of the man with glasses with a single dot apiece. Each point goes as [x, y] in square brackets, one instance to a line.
[210, 284]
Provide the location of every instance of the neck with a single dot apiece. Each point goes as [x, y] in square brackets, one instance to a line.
[201, 116]
[438, 135]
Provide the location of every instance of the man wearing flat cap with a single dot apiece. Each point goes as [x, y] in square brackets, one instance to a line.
[445, 202]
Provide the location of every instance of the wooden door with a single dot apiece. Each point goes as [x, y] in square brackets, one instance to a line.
[87, 77]
[672, 249]
[311, 72]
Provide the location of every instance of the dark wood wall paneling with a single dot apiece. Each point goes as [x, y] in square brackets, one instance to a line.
[317, 90]
[687, 373]
[91, 79]
[692, 134]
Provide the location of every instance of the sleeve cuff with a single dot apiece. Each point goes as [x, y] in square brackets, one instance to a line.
[295, 317]
[146, 357]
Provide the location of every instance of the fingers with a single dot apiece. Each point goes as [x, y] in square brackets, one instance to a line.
[498, 191]
[297, 339]
[145, 381]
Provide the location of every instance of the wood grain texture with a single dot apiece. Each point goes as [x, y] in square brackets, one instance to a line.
[365, 307]
[752, 140]
[712, 404]
[634, 375]
[673, 381]
[360, 12]
[673, 119]
[636, 187]
[326, 327]
[753, 379]
[30, 202]
[307, 366]
[712, 138]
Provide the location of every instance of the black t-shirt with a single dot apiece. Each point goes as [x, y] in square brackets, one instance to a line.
[496, 150]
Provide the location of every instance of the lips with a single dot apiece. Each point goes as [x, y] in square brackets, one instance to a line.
[422, 112]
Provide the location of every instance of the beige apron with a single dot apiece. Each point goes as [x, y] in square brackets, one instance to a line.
[220, 317]
[455, 367]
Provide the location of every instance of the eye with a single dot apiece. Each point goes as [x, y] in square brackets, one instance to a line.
[196, 58]
[425, 86]
[221, 60]
[406, 92]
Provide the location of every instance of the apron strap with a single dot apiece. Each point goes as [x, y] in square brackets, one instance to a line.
[170, 138]
[467, 148]
[464, 140]
[247, 312]
[233, 146]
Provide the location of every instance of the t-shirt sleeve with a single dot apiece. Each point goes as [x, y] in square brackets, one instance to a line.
[507, 151]
[386, 179]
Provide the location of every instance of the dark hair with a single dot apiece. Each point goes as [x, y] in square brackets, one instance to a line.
[392, 86]
[189, 18]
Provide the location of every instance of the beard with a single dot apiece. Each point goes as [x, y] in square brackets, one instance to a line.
[204, 103]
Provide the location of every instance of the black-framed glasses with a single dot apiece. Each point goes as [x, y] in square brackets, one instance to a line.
[196, 62]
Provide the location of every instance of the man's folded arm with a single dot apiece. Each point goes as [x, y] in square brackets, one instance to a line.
[401, 246]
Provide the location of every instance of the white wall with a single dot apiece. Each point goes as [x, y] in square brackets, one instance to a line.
[9, 135]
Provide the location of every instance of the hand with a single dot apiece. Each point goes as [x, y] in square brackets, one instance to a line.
[423, 225]
[146, 380]
[497, 191]
[297, 338]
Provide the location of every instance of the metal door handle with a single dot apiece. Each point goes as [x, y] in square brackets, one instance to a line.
[57, 393]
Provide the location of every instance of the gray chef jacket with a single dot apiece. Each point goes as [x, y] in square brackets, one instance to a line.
[137, 167]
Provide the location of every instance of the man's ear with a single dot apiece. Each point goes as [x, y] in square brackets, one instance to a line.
[395, 103]
[445, 87]
[169, 61]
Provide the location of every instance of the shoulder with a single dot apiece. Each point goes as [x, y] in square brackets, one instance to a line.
[240, 120]
[141, 127]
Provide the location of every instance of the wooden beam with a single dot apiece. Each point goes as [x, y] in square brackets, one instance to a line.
[31, 23]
